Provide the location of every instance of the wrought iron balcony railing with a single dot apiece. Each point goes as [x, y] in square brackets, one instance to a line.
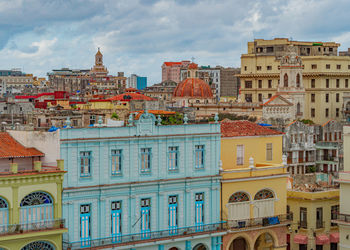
[120, 239]
[29, 227]
[256, 222]
[341, 217]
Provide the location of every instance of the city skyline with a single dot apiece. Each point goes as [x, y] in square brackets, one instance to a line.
[138, 36]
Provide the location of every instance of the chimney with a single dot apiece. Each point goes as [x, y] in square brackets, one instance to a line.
[37, 166]
[60, 164]
[14, 167]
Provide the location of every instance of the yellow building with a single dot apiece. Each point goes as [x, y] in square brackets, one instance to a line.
[312, 209]
[254, 187]
[343, 218]
[325, 75]
[30, 198]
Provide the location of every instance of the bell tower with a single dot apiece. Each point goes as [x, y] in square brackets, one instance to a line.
[99, 70]
[99, 58]
[291, 80]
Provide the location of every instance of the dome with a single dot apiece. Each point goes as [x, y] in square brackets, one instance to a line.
[193, 87]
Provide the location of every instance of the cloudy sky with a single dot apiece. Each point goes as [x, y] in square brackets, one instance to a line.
[136, 36]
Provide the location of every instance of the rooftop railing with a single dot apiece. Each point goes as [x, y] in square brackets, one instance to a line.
[30, 227]
[117, 240]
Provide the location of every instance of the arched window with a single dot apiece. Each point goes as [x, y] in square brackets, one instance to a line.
[36, 198]
[298, 81]
[264, 194]
[42, 245]
[285, 79]
[264, 241]
[200, 246]
[238, 197]
[4, 214]
[36, 207]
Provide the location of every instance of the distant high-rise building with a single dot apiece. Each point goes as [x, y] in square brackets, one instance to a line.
[141, 82]
[171, 71]
[137, 82]
[132, 81]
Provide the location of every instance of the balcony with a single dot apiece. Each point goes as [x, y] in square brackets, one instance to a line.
[341, 218]
[327, 158]
[139, 238]
[245, 224]
[326, 145]
[32, 227]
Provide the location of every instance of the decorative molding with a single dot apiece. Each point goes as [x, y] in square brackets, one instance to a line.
[255, 178]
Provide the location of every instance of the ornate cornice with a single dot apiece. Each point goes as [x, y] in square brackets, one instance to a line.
[305, 74]
[31, 179]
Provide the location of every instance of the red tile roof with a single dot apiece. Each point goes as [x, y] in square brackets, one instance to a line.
[193, 66]
[10, 148]
[244, 128]
[172, 63]
[33, 96]
[133, 96]
[155, 112]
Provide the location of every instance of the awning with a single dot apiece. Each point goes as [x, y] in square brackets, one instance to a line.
[334, 237]
[322, 239]
[300, 239]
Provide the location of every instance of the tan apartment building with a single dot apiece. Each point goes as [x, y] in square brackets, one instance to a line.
[313, 207]
[325, 75]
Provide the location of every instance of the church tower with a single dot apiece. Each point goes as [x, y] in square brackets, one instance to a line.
[99, 58]
[291, 81]
[99, 70]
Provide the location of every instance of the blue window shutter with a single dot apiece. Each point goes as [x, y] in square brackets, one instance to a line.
[85, 229]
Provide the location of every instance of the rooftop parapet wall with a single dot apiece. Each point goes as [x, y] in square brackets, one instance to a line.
[145, 126]
[317, 195]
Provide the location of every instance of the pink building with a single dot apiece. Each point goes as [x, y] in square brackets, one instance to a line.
[171, 70]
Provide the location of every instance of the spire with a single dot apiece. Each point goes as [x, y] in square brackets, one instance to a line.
[98, 57]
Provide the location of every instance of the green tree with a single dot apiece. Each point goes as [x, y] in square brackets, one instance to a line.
[115, 116]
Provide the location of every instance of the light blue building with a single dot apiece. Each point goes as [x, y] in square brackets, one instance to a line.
[141, 82]
[144, 186]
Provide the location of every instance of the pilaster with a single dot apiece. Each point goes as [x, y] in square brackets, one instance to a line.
[14, 219]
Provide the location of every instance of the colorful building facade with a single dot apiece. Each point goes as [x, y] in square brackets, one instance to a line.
[143, 186]
[254, 190]
[313, 210]
[325, 75]
[343, 218]
[171, 71]
[30, 196]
